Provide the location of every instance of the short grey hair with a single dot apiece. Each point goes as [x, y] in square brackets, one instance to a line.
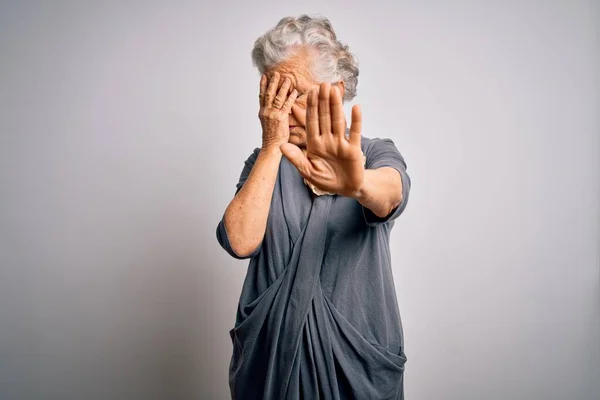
[334, 61]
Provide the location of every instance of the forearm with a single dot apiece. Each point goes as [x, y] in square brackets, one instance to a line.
[246, 216]
[381, 190]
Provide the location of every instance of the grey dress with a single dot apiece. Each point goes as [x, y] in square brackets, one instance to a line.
[318, 316]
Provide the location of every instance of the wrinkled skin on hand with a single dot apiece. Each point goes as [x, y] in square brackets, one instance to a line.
[333, 162]
[276, 101]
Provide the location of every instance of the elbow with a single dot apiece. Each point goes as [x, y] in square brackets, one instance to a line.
[231, 243]
[391, 207]
[244, 250]
[384, 213]
[398, 203]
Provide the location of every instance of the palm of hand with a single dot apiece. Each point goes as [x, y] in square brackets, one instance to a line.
[333, 162]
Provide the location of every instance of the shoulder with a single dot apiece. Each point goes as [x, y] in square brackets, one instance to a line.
[369, 144]
[252, 157]
[381, 152]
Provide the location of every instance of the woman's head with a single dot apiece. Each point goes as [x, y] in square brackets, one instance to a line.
[306, 50]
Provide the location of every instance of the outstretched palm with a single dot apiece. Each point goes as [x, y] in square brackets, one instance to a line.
[333, 162]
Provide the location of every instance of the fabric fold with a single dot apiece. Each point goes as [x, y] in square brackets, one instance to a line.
[293, 340]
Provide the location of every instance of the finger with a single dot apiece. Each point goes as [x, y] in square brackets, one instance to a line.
[272, 89]
[297, 158]
[338, 120]
[263, 89]
[287, 106]
[282, 94]
[356, 126]
[312, 115]
[324, 112]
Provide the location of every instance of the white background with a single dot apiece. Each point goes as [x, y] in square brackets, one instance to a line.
[123, 132]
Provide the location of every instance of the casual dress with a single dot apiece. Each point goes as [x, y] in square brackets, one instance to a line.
[318, 315]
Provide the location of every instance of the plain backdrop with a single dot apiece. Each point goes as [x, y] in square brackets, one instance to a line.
[124, 127]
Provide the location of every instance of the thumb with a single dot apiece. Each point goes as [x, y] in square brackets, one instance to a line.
[297, 158]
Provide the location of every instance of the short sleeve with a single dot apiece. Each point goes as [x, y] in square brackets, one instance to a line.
[222, 236]
[248, 164]
[384, 153]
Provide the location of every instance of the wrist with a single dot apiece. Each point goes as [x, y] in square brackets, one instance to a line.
[271, 149]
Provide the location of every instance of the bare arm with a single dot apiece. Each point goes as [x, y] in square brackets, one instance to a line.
[246, 216]
[381, 191]
[334, 162]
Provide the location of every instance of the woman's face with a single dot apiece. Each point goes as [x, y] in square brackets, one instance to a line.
[297, 69]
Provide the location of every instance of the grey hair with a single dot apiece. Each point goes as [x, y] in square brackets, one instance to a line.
[334, 60]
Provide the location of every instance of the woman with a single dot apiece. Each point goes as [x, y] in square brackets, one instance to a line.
[318, 315]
